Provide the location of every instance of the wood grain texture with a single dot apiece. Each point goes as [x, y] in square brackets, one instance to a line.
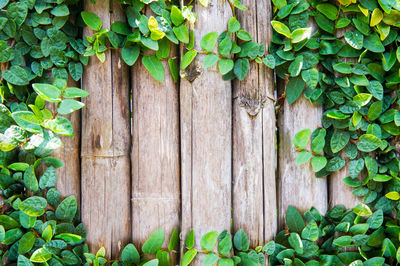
[254, 129]
[206, 136]
[105, 144]
[69, 176]
[155, 154]
[298, 185]
[339, 192]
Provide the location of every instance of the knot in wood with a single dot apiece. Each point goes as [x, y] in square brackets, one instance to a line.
[191, 72]
[252, 101]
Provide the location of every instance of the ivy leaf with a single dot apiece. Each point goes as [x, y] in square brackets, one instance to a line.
[240, 241]
[225, 65]
[373, 43]
[188, 58]
[209, 41]
[368, 143]
[295, 243]
[130, 54]
[294, 89]
[33, 206]
[339, 140]
[209, 240]
[67, 209]
[301, 34]
[294, 220]
[302, 138]
[296, 66]
[60, 125]
[376, 89]
[68, 106]
[204, 2]
[154, 242]
[130, 255]
[281, 28]
[210, 60]
[241, 68]
[182, 33]
[26, 243]
[362, 210]
[48, 179]
[233, 25]
[41, 255]
[311, 231]
[154, 66]
[16, 75]
[318, 163]
[92, 20]
[329, 10]
[188, 257]
[269, 61]
[30, 180]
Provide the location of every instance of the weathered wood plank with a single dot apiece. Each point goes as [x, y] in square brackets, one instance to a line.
[105, 144]
[339, 192]
[254, 137]
[155, 154]
[206, 136]
[297, 184]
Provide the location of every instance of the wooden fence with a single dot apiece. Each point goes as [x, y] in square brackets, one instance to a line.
[203, 154]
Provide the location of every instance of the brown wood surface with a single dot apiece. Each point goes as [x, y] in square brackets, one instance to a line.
[298, 185]
[105, 144]
[155, 154]
[206, 136]
[254, 129]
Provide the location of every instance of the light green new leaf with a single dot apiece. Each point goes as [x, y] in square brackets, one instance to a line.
[92, 20]
[302, 138]
[281, 28]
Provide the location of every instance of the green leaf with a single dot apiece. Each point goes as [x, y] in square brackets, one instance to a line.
[329, 10]
[33, 206]
[23, 261]
[375, 220]
[130, 255]
[30, 180]
[376, 89]
[130, 54]
[16, 75]
[233, 25]
[60, 125]
[368, 143]
[74, 93]
[393, 195]
[303, 157]
[239, 5]
[301, 34]
[176, 16]
[92, 20]
[209, 240]
[294, 89]
[209, 41]
[339, 140]
[362, 99]
[182, 33]
[48, 92]
[241, 68]
[311, 77]
[311, 231]
[188, 58]
[174, 69]
[318, 163]
[210, 60]
[67, 209]
[224, 243]
[295, 243]
[225, 65]
[373, 43]
[281, 28]
[269, 61]
[154, 242]
[71, 239]
[154, 66]
[302, 138]
[210, 259]
[241, 241]
[294, 220]
[26, 243]
[40, 255]
[382, 178]
[188, 257]
[362, 210]
[190, 240]
[68, 106]
[296, 66]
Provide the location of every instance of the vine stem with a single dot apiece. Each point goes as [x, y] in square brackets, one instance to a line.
[232, 7]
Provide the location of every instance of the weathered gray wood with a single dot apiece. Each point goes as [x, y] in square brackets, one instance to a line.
[155, 154]
[105, 144]
[297, 184]
[339, 192]
[206, 137]
[254, 132]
